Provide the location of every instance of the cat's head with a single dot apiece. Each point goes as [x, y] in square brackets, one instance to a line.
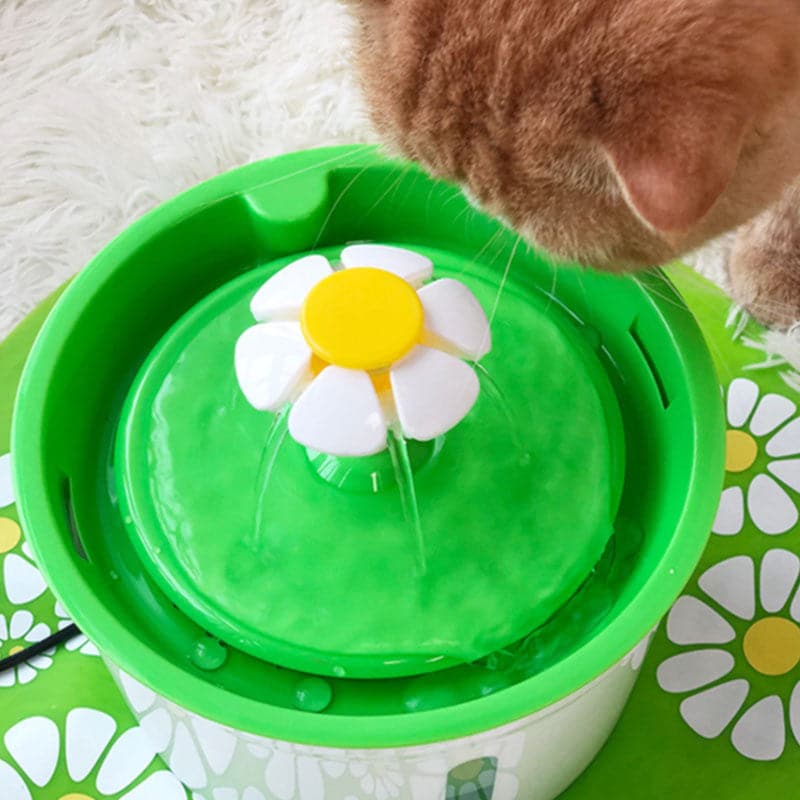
[618, 133]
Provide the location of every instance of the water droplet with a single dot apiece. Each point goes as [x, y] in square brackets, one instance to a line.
[209, 654]
[313, 694]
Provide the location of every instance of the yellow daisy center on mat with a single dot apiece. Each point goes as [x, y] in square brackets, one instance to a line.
[741, 451]
[362, 318]
[14, 650]
[772, 645]
[10, 534]
[74, 796]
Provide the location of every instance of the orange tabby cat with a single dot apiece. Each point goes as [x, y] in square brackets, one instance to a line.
[618, 133]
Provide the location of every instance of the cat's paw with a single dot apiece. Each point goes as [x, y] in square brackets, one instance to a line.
[764, 271]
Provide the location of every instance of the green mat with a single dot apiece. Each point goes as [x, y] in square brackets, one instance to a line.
[716, 712]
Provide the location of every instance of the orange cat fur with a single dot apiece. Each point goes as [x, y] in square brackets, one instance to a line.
[617, 133]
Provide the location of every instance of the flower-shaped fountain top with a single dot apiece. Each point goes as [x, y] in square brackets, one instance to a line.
[363, 349]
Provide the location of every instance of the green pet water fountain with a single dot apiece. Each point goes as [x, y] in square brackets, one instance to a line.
[358, 496]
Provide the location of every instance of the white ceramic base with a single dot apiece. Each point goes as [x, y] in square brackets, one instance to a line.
[535, 757]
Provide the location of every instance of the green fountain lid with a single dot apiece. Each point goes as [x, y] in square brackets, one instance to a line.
[397, 562]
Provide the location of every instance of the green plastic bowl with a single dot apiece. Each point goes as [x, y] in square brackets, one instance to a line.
[110, 321]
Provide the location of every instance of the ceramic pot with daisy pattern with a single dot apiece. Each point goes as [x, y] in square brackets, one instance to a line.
[356, 494]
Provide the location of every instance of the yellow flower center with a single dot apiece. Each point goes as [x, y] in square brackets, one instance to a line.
[772, 645]
[74, 796]
[741, 451]
[14, 650]
[10, 534]
[362, 318]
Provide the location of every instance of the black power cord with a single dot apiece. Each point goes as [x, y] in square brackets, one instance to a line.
[37, 648]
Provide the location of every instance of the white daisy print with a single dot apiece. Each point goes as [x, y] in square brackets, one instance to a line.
[767, 610]
[757, 427]
[291, 773]
[196, 749]
[93, 762]
[363, 349]
[6, 487]
[81, 642]
[17, 633]
[21, 577]
[380, 780]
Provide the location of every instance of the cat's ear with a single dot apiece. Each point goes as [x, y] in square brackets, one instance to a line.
[673, 165]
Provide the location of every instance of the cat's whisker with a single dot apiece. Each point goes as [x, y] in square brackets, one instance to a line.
[336, 202]
[503, 281]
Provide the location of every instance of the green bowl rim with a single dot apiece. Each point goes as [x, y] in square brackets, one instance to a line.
[55, 556]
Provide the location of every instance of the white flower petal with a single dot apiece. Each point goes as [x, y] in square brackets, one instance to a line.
[339, 414]
[139, 695]
[786, 442]
[283, 295]
[6, 487]
[280, 775]
[794, 712]
[272, 361]
[37, 633]
[157, 724]
[33, 744]
[25, 673]
[14, 787]
[794, 609]
[309, 779]
[334, 768]
[158, 786]
[76, 641]
[710, 712]
[128, 758]
[216, 743]
[730, 516]
[771, 509]
[225, 793]
[21, 623]
[251, 793]
[691, 621]
[7, 678]
[688, 671]
[433, 392]
[742, 397]
[41, 661]
[772, 412]
[23, 581]
[453, 313]
[761, 732]
[412, 267]
[184, 760]
[90, 649]
[3, 628]
[88, 733]
[779, 572]
[787, 471]
[731, 583]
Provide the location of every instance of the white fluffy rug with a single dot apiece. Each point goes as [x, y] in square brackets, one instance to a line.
[108, 107]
